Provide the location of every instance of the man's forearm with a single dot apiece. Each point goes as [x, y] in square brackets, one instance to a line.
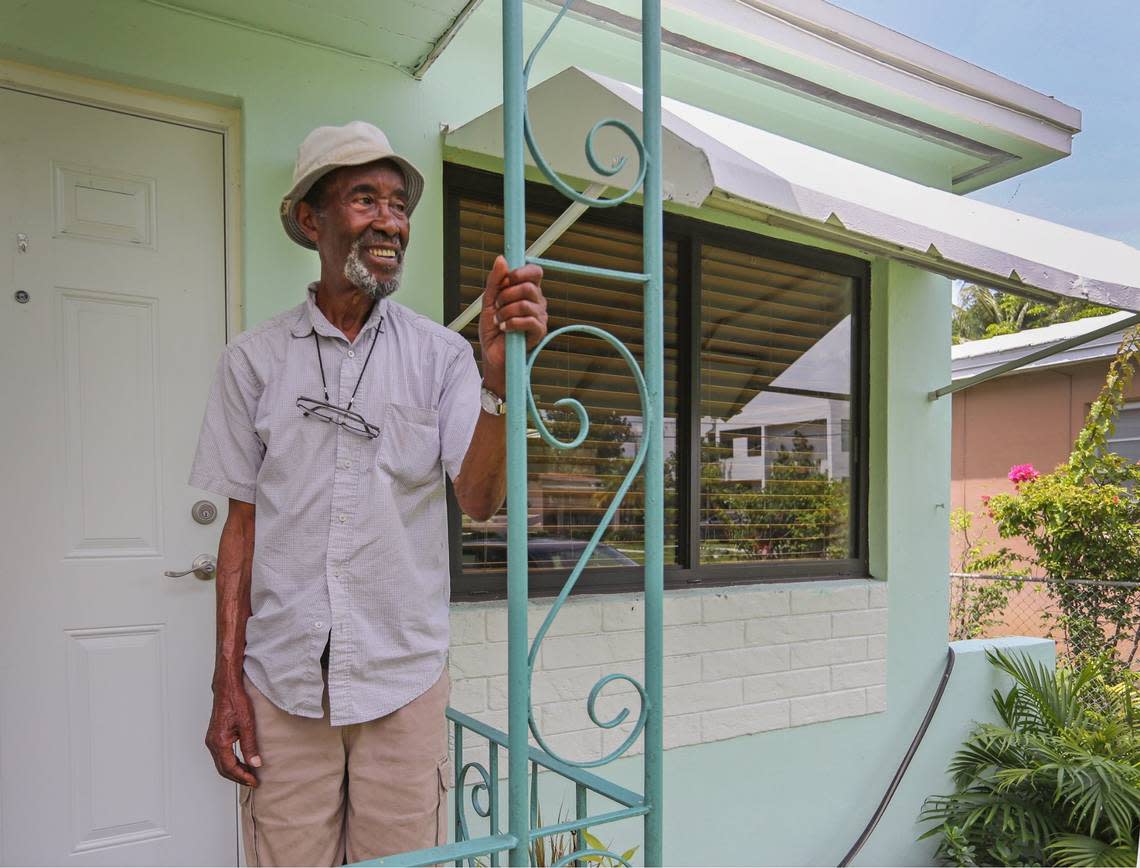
[482, 482]
[234, 573]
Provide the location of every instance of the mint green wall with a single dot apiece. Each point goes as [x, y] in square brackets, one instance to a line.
[796, 796]
[803, 796]
[284, 89]
[805, 793]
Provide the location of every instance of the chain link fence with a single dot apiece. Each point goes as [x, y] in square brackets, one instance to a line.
[985, 606]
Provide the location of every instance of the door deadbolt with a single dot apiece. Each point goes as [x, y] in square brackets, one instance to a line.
[204, 512]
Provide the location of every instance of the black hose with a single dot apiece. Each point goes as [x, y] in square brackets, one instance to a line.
[911, 751]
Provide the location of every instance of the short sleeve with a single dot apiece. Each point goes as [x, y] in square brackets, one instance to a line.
[458, 409]
[229, 449]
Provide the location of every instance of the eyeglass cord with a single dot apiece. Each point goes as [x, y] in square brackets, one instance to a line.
[320, 361]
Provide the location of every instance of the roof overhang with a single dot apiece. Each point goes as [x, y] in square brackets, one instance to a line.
[976, 357]
[893, 102]
[406, 34]
[714, 162]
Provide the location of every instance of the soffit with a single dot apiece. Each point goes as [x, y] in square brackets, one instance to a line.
[406, 34]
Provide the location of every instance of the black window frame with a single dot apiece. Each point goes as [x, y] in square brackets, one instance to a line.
[689, 234]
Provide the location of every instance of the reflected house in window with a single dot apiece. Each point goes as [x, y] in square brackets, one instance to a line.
[808, 403]
[762, 355]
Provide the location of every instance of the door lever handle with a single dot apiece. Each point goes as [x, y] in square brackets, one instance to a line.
[203, 567]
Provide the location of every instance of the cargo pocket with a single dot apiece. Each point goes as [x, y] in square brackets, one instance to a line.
[444, 774]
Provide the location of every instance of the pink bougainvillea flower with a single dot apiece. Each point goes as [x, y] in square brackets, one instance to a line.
[1022, 473]
[985, 500]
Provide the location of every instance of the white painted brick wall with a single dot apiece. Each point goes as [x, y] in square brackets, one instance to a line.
[738, 661]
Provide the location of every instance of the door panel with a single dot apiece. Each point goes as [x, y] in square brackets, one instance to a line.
[105, 663]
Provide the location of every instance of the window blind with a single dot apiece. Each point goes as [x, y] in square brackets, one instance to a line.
[775, 409]
[569, 490]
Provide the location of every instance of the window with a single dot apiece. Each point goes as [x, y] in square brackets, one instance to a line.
[1125, 440]
[765, 347]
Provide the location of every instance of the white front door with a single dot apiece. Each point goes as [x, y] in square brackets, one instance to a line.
[112, 292]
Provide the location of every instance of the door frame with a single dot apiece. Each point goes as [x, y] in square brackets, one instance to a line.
[50, 83]
[171, 109]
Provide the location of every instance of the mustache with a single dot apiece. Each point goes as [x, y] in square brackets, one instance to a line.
[372, 239]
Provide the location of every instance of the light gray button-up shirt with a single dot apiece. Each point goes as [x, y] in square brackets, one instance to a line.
[351, 532]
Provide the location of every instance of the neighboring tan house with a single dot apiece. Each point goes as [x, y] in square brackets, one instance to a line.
[1030, 415]
[815, 169]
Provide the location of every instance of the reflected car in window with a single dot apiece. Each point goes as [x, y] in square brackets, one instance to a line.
[543, 553]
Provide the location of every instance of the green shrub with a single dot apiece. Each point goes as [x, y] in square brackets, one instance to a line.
[1083, 524]
[1057, 782]
[976, 605]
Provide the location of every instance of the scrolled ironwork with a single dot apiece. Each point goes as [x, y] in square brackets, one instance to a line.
[591, 158]
[595, 539]
[483, 785]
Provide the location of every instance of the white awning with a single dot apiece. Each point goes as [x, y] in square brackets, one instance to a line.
[715, 162]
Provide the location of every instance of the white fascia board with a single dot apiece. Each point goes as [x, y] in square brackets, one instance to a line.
[907, 69]
[884, 46]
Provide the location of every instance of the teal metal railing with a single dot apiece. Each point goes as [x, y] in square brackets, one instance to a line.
[524, 761]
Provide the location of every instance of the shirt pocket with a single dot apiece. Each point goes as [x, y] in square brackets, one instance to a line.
[409, 445]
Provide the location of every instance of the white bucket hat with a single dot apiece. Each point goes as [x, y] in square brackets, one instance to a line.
[328, 148]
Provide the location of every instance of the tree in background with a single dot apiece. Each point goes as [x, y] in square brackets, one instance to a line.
[797, 513]
[804, 512]
[597, 467]
[985, 313]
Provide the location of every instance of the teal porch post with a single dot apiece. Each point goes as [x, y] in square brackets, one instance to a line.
[514, 238]
[650, 385]
[653, 242]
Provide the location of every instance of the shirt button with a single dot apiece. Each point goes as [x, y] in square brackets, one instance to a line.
[351, 354]
[336, 575]
[346, 464]
[343, 518]
[318, 624]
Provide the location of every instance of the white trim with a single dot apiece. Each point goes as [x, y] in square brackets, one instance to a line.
[162, 107]
[876, 42]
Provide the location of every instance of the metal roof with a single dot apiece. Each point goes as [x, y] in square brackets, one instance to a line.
[974, 357]
[713, 161]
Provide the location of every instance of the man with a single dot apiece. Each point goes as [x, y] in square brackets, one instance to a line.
[329, 428]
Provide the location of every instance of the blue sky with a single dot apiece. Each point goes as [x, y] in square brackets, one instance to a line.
[1086, 54]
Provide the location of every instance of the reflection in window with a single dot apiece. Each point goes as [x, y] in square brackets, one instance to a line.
[763, 438]
[570, 490]
[775, 410]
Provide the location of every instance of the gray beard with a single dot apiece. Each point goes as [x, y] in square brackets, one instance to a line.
[357, 273]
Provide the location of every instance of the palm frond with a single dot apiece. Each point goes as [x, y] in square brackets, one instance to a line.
[1081, 851]
[1057, 782]
[1041, 699]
